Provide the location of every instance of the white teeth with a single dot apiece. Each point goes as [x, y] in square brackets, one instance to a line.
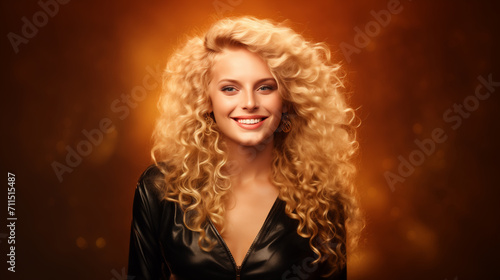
[249, 121]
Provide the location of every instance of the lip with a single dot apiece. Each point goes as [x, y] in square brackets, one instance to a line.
[249, 126]
[250, 117]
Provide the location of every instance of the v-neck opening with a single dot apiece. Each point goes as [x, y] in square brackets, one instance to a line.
[257, 237]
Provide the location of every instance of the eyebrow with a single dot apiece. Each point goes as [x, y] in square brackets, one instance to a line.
[258, 82]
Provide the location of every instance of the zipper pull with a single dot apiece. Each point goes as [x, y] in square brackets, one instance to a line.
[238, 271]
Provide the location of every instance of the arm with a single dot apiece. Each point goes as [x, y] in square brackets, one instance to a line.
[145, 257]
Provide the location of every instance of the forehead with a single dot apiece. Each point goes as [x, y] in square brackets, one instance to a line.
[239, 63]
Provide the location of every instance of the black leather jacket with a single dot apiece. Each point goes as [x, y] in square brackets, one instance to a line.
[162, 247]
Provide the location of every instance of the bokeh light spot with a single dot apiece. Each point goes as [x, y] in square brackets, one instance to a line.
[417, 128]
[81, 243]
[100, 242]
[411, 235]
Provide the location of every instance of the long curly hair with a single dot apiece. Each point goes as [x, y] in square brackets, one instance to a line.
[312, 164]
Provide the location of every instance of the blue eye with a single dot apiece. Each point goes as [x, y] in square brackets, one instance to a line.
[228, 89]
[265, 87]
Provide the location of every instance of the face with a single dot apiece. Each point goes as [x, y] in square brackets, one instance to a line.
[245, 99]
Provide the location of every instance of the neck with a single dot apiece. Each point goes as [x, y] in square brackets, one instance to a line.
[250, 163]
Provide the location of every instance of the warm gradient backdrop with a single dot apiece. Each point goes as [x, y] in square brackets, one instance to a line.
[93, 64]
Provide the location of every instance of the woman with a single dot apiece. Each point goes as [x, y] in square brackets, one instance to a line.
[253, 178]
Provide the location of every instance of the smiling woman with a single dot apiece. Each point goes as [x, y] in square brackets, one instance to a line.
[245, 99]
[253, 176]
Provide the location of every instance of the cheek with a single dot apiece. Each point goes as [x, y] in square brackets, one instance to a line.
[277, 105]
[221, 106]
[276, 108]
[214, 101]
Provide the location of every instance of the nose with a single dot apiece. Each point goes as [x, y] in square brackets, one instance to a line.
[249, 101]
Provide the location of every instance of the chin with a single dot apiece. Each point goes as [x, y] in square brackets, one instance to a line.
[249, 143]
[256, 141]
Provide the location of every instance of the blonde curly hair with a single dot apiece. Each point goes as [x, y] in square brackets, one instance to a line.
[312, 164]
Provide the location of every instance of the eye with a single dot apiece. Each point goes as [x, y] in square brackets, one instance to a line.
[228, 89]
[266, 88]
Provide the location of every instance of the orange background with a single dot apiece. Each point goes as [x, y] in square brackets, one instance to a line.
[439, 223]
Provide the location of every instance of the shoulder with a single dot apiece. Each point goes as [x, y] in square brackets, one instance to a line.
[151, 184]
[151, 174]
[150, 204]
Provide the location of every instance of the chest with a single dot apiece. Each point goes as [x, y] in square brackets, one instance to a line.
[276, 251]
[245, 221]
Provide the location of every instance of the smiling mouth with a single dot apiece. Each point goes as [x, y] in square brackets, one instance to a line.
[249, 121]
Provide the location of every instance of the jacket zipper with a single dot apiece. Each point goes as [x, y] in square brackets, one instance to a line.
[237, 268]
[238, 271]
